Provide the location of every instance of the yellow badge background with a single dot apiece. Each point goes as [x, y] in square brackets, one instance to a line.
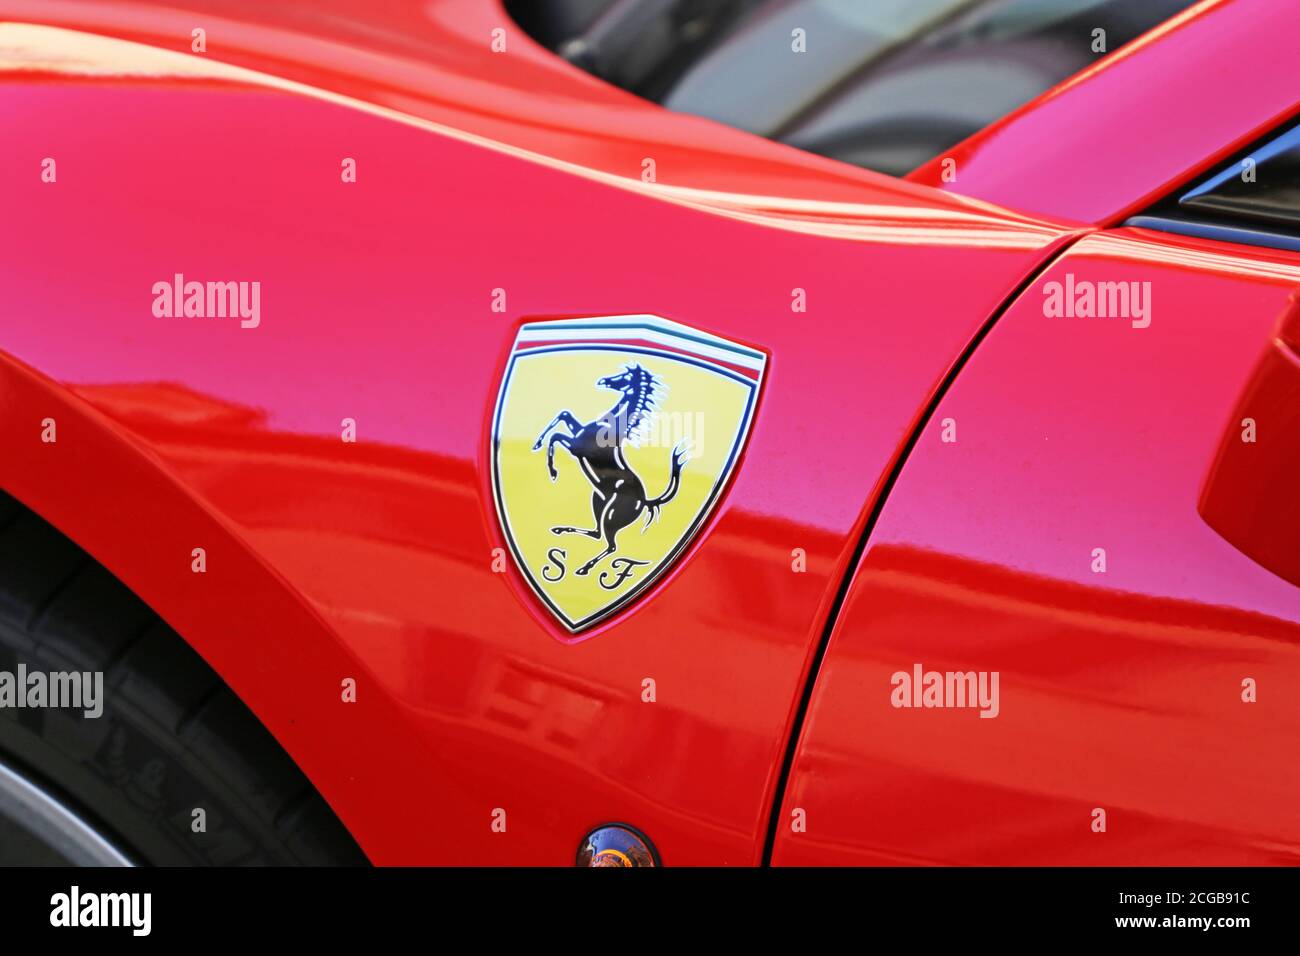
[544, 383]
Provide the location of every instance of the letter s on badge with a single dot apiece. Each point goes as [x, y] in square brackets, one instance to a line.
[612, 439]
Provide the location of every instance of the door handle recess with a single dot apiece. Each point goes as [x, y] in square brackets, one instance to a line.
[1252, 494]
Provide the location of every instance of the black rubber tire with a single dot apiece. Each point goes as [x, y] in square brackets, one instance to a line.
[173, 737]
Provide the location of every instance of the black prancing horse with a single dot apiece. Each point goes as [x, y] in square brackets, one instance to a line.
[619, 496]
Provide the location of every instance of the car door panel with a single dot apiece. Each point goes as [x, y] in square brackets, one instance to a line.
[1149, 688]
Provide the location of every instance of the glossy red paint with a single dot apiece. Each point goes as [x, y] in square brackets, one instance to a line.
[374, 560]
[1159, 111]
[434, 61]
[481, 171]
[1120, 690]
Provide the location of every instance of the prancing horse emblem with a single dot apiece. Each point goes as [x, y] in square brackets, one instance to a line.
[618, 498]
[656, 440]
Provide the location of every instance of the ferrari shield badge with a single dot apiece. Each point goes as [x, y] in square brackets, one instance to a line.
[611, 440]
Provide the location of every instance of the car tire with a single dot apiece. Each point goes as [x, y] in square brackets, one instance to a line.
[176, 770]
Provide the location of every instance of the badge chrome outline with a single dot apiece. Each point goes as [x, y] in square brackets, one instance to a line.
[654, 336]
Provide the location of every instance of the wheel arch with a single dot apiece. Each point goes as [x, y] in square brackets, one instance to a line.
[102, 487]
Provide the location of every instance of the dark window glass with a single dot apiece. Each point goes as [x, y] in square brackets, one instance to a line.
[885, 84]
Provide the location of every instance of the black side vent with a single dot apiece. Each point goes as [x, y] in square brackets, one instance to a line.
[1253, 200]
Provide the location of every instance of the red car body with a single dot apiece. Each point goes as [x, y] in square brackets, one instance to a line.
[480, 170]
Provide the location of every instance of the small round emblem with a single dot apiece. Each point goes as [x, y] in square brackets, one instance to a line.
[616, 845]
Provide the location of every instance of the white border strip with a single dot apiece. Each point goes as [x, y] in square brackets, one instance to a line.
[663, 331]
